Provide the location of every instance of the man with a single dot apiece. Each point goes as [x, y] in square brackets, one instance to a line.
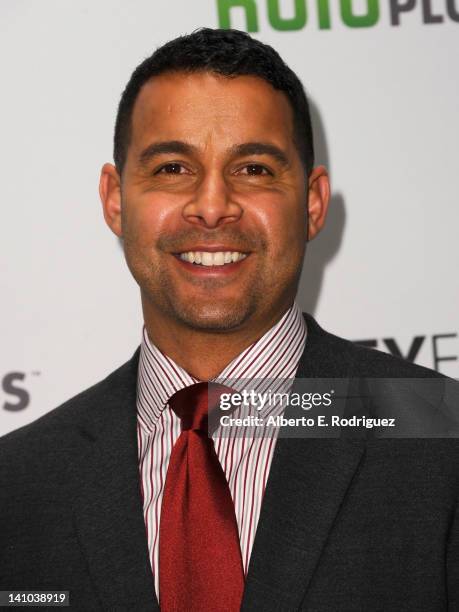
[119, 496]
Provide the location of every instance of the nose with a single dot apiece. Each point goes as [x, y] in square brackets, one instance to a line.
[212, 204]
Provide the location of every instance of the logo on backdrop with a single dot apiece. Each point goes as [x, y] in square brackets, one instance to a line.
[440, 346]
[363, 14]
[15, 395]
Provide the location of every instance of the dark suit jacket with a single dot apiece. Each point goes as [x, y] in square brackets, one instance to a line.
[346, 524]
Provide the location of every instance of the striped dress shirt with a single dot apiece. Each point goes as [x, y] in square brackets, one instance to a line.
[245, 460]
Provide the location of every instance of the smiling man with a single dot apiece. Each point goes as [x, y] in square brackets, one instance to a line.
[214, 201]
[125, 496]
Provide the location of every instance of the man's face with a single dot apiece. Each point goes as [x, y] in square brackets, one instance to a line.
[213, 176]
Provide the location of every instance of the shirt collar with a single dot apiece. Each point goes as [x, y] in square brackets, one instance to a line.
[273, 356]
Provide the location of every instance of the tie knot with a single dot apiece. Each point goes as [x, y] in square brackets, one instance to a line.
[197, 406]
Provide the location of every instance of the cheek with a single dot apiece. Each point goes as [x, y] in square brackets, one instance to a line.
[144, 218]
[285, 227]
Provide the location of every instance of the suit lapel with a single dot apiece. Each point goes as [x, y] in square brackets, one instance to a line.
[306, 486]
[108, 511]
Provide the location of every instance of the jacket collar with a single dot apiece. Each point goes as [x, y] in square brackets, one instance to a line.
[307, 482]
[108, 509]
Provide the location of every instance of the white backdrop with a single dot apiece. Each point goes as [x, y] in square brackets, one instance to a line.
[385, 100]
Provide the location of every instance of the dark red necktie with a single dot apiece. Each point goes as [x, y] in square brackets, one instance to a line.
[200, 564]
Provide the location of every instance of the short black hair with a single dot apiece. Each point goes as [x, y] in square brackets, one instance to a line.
[229, 53]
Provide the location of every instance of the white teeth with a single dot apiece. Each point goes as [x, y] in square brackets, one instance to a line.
[219, 259]
[206, 258]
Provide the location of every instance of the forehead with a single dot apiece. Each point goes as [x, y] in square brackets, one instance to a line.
[204, 107]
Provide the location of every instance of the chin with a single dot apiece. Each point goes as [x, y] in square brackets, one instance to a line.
[213, 317]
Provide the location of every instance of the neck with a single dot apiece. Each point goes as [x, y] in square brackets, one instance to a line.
[203, 354]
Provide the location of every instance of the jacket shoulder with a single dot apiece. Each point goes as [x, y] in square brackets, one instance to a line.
[54, 432]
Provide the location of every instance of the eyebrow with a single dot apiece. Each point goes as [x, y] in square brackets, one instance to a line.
[183, 148]
[261, 148]
[168, 146]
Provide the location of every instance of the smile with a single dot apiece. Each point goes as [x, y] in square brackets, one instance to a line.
[207, 258]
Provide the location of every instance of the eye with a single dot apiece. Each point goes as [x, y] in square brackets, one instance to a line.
[171, 168]
[255, 170]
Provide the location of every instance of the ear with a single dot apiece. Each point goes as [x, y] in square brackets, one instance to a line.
[110, 195]
[318, 199]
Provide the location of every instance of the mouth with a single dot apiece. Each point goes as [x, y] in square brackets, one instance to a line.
[211, 262]
[211, 258]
